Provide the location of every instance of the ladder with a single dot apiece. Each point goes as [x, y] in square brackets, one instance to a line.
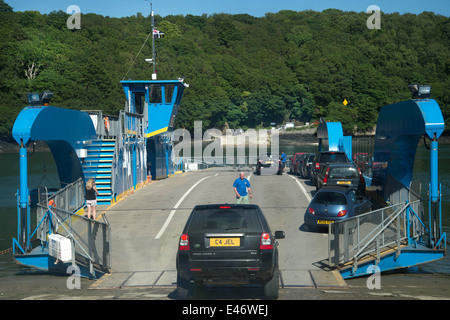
[98, 165]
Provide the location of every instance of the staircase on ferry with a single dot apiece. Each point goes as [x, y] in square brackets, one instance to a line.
[97, 165]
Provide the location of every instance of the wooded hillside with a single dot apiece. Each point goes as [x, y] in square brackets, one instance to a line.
[242, 70]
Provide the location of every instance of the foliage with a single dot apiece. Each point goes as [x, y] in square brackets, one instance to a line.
[243, 71]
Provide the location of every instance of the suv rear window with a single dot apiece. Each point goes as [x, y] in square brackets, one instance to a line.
[331, 198]
[333, 157]
[220, 220]
[343, 173]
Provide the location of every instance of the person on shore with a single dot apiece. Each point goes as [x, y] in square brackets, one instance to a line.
[91, 198]
[241, 185]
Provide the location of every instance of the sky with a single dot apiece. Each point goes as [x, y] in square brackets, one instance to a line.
[256, 8]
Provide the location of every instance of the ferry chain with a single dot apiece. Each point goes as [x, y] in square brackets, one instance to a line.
[11, 249]
[6, 251]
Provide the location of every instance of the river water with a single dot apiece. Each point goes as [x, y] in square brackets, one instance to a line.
[42, 171]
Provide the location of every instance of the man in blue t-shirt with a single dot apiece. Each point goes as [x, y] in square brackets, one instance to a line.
[283, 160]
[240, 186]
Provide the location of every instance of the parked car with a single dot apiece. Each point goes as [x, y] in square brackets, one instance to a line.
[323, 157]
[294, 161]
[227, 244]
[341, 174]
[363, 161]
[305, 169]
[331, 204]
[269, 164]
[299, 163]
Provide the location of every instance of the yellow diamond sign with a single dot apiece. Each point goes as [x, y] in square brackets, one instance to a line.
[345, 102]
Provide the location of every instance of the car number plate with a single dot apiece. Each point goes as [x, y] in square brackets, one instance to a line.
[324, 221]
[344, 182]
[269, 161]
[224, 242]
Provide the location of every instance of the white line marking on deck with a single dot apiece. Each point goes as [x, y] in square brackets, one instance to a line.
[308, 197]
[249, 177]
[216, 174]
[169, 218]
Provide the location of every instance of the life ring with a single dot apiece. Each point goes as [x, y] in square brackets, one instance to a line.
[106, 120]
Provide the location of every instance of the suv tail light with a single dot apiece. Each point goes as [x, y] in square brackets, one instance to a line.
[325, 179]
[266, 241]
[311, 210]
[317, 166]
[361, 177]
[184, 242]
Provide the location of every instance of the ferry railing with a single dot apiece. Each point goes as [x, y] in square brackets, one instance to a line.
[127, 123]
[90, 239]
[369, 235]
[106, 126]
[131, 124]
[70, 198]
[396, 192]
[237, 163]
[178, 166]
[58, 214]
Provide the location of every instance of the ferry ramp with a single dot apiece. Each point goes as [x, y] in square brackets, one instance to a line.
[146, 227]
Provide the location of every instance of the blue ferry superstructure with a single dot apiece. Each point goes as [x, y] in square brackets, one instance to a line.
[120, 152]
[419, 237]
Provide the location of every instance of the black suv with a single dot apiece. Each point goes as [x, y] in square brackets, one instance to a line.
[324, 157]
[227, 244]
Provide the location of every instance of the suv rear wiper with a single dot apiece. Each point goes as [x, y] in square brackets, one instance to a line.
[231, 228]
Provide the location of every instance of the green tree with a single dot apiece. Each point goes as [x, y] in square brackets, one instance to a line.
[4, 7]
[245, 71]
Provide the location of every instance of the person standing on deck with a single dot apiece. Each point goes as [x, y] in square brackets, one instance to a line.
[283, 159]
[241, 185]
[91, 198]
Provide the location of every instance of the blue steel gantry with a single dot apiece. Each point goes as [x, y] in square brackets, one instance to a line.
[418, 237]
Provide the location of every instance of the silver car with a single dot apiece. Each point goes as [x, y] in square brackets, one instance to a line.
[332, 204]
[269, 164]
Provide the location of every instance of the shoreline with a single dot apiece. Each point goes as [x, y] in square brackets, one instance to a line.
[294, 137]
[12, 147]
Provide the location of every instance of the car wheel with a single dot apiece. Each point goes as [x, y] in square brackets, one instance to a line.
[185, 289]
[271, 287]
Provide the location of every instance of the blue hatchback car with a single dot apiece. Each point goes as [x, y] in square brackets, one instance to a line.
[331, 204]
